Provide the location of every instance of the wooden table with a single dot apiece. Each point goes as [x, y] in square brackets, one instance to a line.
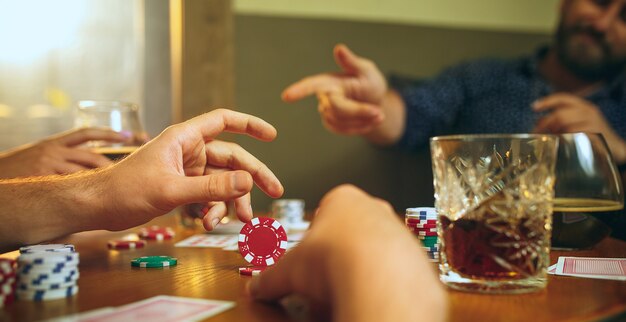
[107, 279]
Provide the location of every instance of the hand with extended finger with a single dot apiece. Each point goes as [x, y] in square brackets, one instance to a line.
[349, 102]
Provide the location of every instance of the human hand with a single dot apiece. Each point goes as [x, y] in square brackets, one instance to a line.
[356, 255]
[59, 154]
[348, 102]
[569, 113]
[185, 164]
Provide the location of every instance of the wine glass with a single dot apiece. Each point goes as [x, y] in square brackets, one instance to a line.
[587, 180]
[116, 115]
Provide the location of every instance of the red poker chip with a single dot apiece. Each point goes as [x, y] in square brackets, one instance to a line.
[7, 289]
[419, 221]
[426, 230]
[126, 244]
[157, 233]
[425, 233]
[262, 241]
[251, 270]
[8, 277]
[7, 299]
[7, 266]
[422, 226]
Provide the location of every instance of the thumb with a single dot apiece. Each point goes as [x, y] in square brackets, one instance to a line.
[213, 187]
[275, 282]
[349, 61]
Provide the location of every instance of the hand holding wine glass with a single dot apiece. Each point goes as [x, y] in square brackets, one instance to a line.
[119, 116]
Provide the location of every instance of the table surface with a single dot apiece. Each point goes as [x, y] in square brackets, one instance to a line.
[107, 279]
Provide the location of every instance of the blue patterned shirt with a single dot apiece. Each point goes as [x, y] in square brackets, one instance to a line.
[491, 96]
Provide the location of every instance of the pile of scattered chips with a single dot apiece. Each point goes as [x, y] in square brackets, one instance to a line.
[47, 272]
[7, 281]
[262, 242]
[157, 233]
[422, 222]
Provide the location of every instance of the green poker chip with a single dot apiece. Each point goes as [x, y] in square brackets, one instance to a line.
[154, 261]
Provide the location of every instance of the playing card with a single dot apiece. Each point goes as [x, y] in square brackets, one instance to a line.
[602, 268]
[552, 269]
[203, 240]
[163, 308]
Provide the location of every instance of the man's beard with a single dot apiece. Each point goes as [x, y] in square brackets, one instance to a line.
[579, 60]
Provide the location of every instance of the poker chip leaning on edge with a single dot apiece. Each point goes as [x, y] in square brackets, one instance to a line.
[262, 241]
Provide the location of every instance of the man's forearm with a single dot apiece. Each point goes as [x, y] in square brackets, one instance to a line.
[392, 127]
[38, 209]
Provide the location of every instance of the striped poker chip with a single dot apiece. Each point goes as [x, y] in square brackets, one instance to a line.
[9, 281]
[262, 241]
[251, 270]
[157, 233]
[44, 295]
[426, 233]
[6, 299]
[7, 267]
[430, 244]
[63, 248]
[47, 258]
[154, 261]
[45, 286]
[126, 244]
[421, 213]
[48, 278]
[422, 226]
[423, 238]
[413, 221]
[427, 230]
[44, 271]
[52, 268]
[7, 288]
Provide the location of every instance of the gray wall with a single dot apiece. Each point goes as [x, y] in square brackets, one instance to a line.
[271, 53]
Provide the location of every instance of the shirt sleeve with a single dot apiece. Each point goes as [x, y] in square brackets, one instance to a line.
[432, 106]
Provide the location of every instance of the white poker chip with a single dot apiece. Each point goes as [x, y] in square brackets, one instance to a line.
[422, 212]
[48, 278]
[44, 295]
[64, 248]
[47, 258]
[49, 270]
[46, 286]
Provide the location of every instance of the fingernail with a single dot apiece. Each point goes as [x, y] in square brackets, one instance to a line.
[535, 105]
[250, 208]
[214, 222]
[126, 134]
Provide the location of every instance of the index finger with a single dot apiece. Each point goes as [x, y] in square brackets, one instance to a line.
[311, 85]
[555, 101]
[79, 136]
[222, 120]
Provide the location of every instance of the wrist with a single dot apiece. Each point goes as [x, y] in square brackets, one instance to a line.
[390, 130]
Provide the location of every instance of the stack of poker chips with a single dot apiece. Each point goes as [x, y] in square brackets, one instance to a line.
[7, 281]
[47, 272]
[290, 212]
[422, 222]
